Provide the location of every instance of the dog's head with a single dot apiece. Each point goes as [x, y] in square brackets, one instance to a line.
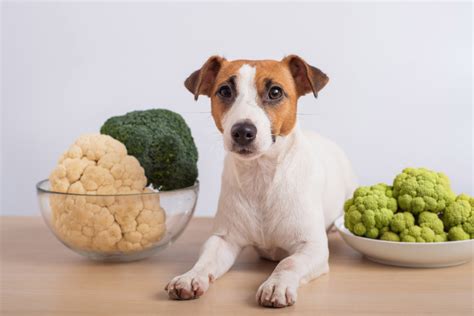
[253, 102]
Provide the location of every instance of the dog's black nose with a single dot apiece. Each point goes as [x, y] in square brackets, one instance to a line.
[243, 133]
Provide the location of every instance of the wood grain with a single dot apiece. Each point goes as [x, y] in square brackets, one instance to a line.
[39, 276]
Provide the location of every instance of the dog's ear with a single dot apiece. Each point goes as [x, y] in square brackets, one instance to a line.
[307, 78]
[202, 80]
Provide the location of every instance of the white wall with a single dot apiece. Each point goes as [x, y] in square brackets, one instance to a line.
[399, 95]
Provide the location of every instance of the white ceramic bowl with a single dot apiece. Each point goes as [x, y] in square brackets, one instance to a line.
[405, 254]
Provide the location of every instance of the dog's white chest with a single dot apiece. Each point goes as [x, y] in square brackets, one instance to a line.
[262, 199]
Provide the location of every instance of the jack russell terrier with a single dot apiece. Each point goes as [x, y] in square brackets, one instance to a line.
[282, 188]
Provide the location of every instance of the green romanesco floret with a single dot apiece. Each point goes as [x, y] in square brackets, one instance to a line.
[389, 236]
[418, 234]
[162, 142]
[431, 220]
[458, 233]
[419, 190]
[459, 218]
[370, 210]
[402, 221]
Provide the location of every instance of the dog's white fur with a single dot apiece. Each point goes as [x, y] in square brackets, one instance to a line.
[244, 108]
[281, 201]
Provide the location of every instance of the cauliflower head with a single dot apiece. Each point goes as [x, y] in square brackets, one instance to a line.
[402, 221]
[370, 210]
[419, 190]
[421, 234]
[103, 210]
[390, 236]
[459, 218]
[431, 220]
[458, 233]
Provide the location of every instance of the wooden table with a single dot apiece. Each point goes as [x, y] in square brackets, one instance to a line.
[40, 276]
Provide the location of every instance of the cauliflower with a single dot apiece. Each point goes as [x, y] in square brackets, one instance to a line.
[108, 222]
[420, 207]
[419, 190]
[459, 218]
[431, 220]
[458, 233]
[402, 221]
[421, 234]
[389, 236]
[370, 210]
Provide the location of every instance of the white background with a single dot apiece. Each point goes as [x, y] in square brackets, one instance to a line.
[399, 94]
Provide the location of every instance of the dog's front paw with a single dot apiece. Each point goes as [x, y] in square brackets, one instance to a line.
[188, 286]
[276, 292]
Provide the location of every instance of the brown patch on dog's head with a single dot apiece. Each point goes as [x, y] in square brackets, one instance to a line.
[292, 76]
[307, 78]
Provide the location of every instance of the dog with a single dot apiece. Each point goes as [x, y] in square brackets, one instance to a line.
[282, 188]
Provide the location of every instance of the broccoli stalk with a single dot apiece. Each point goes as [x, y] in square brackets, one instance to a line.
[162, 142]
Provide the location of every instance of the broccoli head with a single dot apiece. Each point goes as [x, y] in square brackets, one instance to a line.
[459, 218]
[370, 210]
[419, 190]
[162, 142]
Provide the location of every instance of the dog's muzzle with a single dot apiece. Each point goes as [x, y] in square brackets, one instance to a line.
[243, 133]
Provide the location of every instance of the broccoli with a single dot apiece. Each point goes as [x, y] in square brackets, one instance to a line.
[162, 142]
[459, 218]
[419, 190]
[370, 210]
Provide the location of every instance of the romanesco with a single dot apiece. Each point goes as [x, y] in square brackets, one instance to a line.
[419, 190]
[459, 218]
[370, 210]
[420, 207]
[418, 234]
[431, 220]
[402, 221]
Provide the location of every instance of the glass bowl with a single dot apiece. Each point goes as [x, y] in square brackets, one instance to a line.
[120, 227]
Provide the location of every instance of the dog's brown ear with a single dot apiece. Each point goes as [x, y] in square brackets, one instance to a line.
[307, 78]
[202, 80]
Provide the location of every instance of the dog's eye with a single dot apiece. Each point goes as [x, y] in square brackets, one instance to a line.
[275, 93]
[225, 92]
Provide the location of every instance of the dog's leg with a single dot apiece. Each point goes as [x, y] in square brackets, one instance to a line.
[308, 261]
[217, 256]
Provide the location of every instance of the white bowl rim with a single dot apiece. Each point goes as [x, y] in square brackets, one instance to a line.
[339, 223]
[41, 189]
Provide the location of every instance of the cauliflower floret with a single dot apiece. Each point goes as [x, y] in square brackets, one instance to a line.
[402, 221]
[459, 218]
[431, 220]
[417, 234]
[419, 190]
[390, 236]
[457, 212]
[421, 234]
[99, 164]
[369, 210]
[458, 233]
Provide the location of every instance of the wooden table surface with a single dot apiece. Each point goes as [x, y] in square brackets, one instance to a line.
[40, 276]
